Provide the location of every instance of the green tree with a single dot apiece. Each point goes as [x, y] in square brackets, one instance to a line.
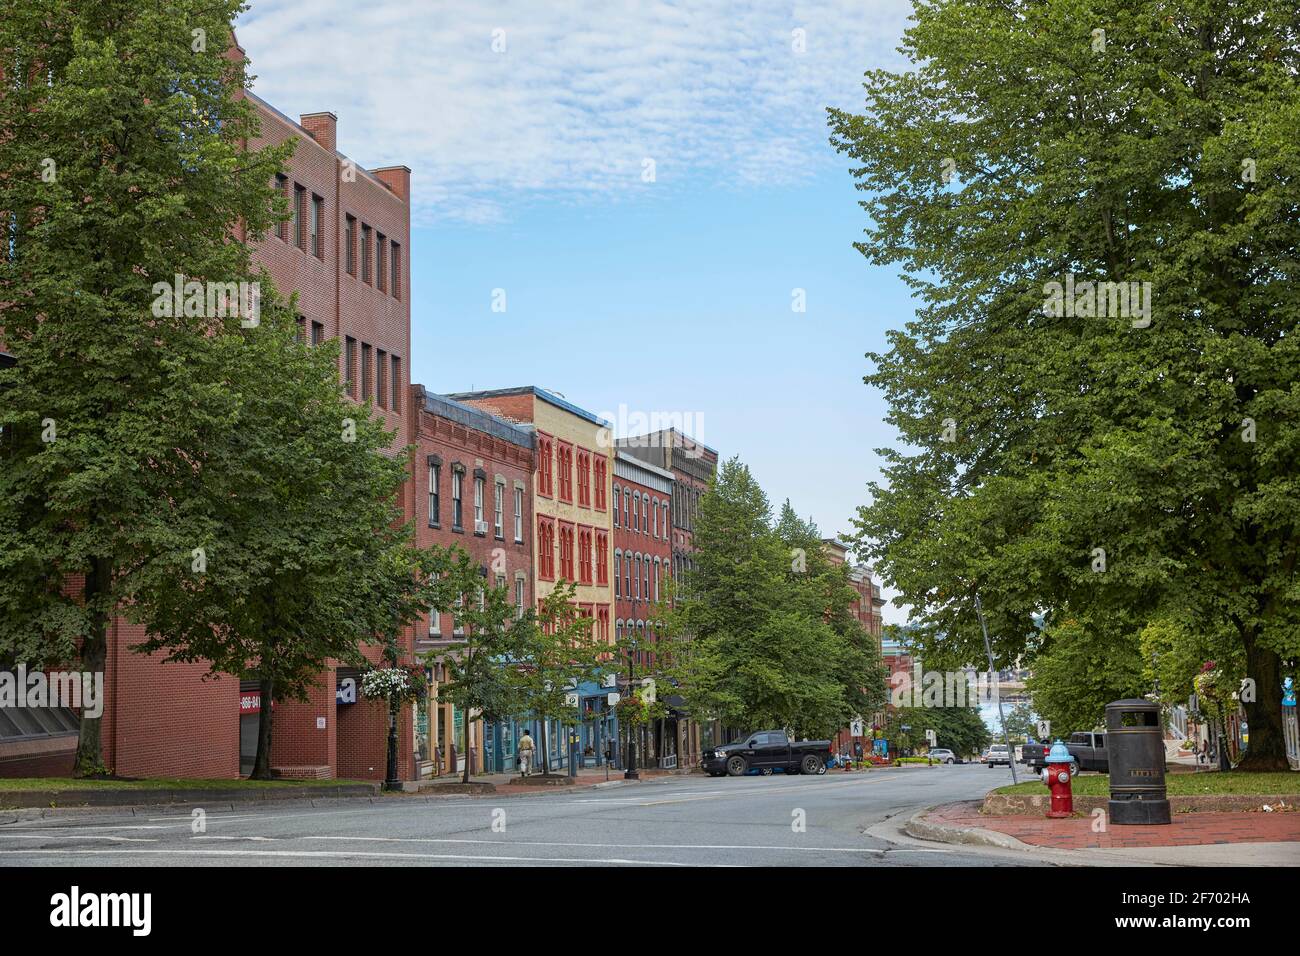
[484, 668]
[560, 654]
[124, 161]
[306, 558]
[1055, 459]
[1020, 721]
[763, 650]
[960, 729]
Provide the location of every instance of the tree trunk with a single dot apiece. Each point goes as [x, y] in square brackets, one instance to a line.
[262, 763]
[546, 747]
[1267, 747]
[89, 759]
[465, 740]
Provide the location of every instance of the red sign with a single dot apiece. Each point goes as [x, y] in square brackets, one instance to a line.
[250, 703]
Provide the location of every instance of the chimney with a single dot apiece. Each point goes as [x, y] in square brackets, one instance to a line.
[323, 128]
[396, 178]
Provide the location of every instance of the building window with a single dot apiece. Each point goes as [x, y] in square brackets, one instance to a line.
[499, 525]
[636, 511]
[637, 576]
[545, 473]
[618, 512]
[367, 390]
[350, 245]
[645, 515]
[317, 333]
[317, 227]
[602, 557]
[457, 625]
[282, 187]
[658, 577]
[627, 576]
[519, 515]
[627, 508]
[584, 479]
[567, 553]
[600, 478]
[564, 465]
[545, 548]
[299, 213]
[381, 265]
[478, 506]
[435, 624]
[396, 404]
[645, 577]
[618, 573]
[350, 348]
[381, 378]
[435, 499]
[586, 556]
[519, 596]
[457, 504]
[396, 285]
[367, 255]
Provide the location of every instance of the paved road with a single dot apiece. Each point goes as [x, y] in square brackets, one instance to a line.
[849, 820]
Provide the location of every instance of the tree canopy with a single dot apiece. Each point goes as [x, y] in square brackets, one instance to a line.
[1061, 459]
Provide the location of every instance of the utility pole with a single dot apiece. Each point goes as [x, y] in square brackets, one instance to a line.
[988, 649]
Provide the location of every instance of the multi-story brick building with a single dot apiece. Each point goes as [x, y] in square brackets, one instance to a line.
[573, 530]
[866, 611]
[642, 517]
[471, 487]
[344, 251]
[693, 466]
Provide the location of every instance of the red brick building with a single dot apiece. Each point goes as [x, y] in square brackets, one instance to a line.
[692, 465]
[472, 487]
[344, 252]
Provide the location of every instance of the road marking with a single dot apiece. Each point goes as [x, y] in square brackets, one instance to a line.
[74, 836]
[607, 846]
[354, 854]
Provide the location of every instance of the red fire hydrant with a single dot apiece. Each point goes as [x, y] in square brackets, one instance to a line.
[1058, 774]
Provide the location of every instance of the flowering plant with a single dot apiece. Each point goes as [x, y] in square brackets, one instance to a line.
[392, 683]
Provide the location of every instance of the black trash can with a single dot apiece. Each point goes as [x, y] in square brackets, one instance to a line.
[1135, 754]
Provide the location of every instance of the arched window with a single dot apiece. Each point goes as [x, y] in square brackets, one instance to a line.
[617, 509]
[618, 572]
[637, 568]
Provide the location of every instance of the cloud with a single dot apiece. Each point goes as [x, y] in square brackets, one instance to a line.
[582, 94]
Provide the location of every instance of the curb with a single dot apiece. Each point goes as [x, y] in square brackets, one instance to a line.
[920, 828]
[118, 799]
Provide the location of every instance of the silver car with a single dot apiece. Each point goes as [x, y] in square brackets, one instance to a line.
[942, 754]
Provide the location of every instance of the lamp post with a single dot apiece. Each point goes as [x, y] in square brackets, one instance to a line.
[630, 773]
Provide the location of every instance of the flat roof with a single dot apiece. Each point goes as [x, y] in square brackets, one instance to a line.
[478, 419]
[543, 394]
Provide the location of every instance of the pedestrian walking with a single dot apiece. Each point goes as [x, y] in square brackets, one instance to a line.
[526, 748]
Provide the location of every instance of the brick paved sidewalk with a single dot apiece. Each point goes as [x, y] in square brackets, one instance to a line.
[1187, 829]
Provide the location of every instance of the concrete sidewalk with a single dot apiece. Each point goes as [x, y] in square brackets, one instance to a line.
[1192, 839]
[513, 784]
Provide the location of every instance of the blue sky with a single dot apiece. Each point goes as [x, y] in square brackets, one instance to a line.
[674, 295]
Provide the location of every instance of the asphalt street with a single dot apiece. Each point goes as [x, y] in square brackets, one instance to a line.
[838, 819]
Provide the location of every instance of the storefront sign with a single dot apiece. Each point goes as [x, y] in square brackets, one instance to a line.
[250, 703]
[347, 691]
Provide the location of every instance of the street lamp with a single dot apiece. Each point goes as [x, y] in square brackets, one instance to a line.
[630, 773]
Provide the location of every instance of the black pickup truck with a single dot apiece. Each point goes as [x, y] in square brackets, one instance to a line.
[1088, 750]
[766, 751]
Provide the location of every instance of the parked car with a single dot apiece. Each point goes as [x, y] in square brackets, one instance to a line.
[767, 750]
[997, 754]
[1087, 749]
[942, 754]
